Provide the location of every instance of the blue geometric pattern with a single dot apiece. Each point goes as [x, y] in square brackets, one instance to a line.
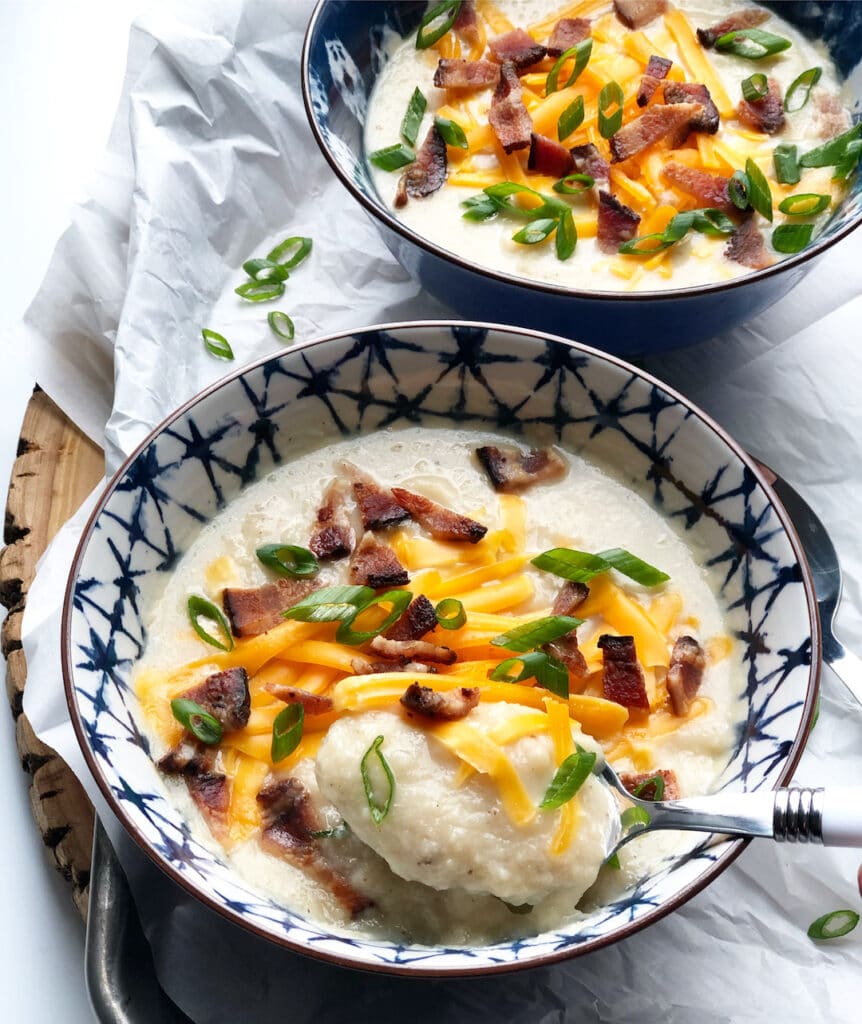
[534, 388]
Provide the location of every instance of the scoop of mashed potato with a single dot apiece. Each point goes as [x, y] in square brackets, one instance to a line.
[447, 835]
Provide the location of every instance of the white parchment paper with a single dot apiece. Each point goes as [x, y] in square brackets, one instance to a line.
[209, 163]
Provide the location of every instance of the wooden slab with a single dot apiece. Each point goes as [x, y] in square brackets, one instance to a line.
[56, 468]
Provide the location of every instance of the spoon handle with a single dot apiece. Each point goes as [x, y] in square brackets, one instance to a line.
[842, 816]
[848, 667]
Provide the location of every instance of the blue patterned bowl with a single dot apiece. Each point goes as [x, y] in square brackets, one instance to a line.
[341, 59]
[534, 387]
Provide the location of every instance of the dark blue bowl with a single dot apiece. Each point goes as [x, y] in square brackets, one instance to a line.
[338, 70]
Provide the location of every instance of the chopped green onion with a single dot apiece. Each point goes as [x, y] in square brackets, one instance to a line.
[538, 665]
[566, 237]
[581, 53]
[330, 604]
[303, 248]
[738, 188]
[399, 599]
[634, 816]
[260, 291]
[802, 84]
[479, 208]
[712, 222]
[833, 925]
[289, 560]
[657, 781]
[585, 181]
[452, 132]
[413, 117]
[751, 43]
[581, 567]
[534, 232]
[790, 238]
[610, 96]
[265, 270]
[390, 158]
[849, 162]
[450, 613]
[804, 204]
[635, 246]
[199, 722]
[287, 731]
[331, 833]
[568, 779]
[831, 153]
[533, 634]
[759, 195]
[816, 713]
[571, 118]
[755, 87]
[216, 344]
[786, 162]
[281, 324]
[448, 11]
[633, 567]
[613, 862]
[201, 608]
[377, 807]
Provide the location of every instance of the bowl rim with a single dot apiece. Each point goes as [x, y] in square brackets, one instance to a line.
[381, 213]
[734, 847]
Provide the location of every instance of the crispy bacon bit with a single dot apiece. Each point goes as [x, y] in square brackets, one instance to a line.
[654, 123]
[571, 596]
[566, 650]
[622, 677]
[313, 703]
[364, 667]
[289, 822]
[508, 115]
[258, 609]
[830, 115]
[446, 705]
[418, 619]
[517, 47]
[568, 32]
[377, 508]
[685, 674]
[375, 565]
[442, 523]
[513, 469]
[332, 536]
[549, 157]
[766, 114]
[656, 70]
[466, 23]
[209, 789]
[617, 223]
[631, 780]
[588, 160]
[746, 246]
[750, 17]
[705, 120]
[466, 74]
[710, 190]
[637, 13]
[427, 173]
[225, 696]
[408, 650]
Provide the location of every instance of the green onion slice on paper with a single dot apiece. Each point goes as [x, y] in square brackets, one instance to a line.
[216, 344]
[833, 925]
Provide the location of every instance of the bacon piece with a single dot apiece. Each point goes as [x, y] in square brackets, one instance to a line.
[637, 13]
[312, 703]
[631, 780]
[685, 674]
[442, 523]
[256, 610]
[508, 115]
[418, 619]
[710, 190]
[566, 650]
[408, 650]
[622, 677]
[466, 23]
[617, 223]
[568, 32]
[746, 246]
[377, 507]
[830, 116]
[766, 114]
[332, 536]
[513, 469]
[289, 824]
[750, 17]
[656, 70]
[571, 596]
[549, 157]
[445, 705]
[225, 696]
[427, 173]
[517, 47]
[654, 123]
[375, 565]
[588, 160]
[466, 74]
[364, 667]
[705, 120]
[208, 788]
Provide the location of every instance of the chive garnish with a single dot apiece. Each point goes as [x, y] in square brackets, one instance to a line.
[330, 604]
[201, 608]
[413, 117]
[538, 665]
[534, 232]
[581, 567]
[610, 96]
[849, 162]
[804, 204]
[831, 153]
[568, 779]
[216, 344]
[634, 816]
[427, 36]
[533, 634]
[786, 162]
[260, 291]
[613, 862]
[265, 270]
[737, 189]
[303, 249]
[802, 84]
[287, 731]
[281, 324]
[288, 560]
[759, 194]
[655, 780]
[398, 599]
[571, 118]
[377, 808]
[566, 237]
[752, 43]
[199, 722]
[479, 208]
[790, 238]
[390, 158]
[450, 613]
[452, 132]
[645, 245]
[567, 186]
[581, 53]
[833, 925]
[755, 87]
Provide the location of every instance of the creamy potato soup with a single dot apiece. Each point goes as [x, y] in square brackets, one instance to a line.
[628, 146]
[382, 681]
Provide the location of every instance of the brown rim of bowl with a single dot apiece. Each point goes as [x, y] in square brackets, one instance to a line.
[723, 860]
[819, 245]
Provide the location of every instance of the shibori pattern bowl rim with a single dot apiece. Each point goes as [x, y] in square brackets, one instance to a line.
[734, 847]
[379, 210]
